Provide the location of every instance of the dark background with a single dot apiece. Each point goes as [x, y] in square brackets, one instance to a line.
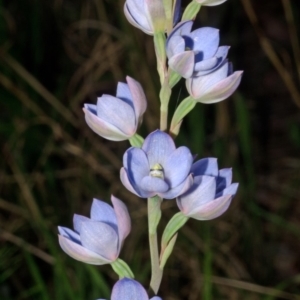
[57, 55]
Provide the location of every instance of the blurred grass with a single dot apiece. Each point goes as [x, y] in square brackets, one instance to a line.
[57, 55]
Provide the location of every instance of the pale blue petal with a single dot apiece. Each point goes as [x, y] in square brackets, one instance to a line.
[128, 289]
[70, 234]
[183, 63]
[230, 190]
[179, 189]
[100, 238]
[222, 52]
[202, 83]
[205, 41]
[123, 218]
[207, 64]
[101, 127]
[80, 253]
[222, 89]
[154, 184]
[137, 167]
[123, 93]
[135, 159]
[77, 221]
[138, 98]
[226, 175]
[158, 146]
[202, 191]
[138, 15]
[126, 182]
[220, 57]
[103, 212]
[137, 191]
[212, 209]
[178, 166]
[182, 28]
[117, 112]
[213, 87]
[205, 166]
[175, 46]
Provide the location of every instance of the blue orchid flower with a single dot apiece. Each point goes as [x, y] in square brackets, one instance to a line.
[158, 168]
[211, 193]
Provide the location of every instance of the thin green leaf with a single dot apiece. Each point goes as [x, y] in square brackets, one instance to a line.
[167, 252]
[182, 110]
[172, 227]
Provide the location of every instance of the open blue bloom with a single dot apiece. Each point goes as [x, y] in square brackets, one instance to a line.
[129, 289]
[158, 168]
[97, 240]
[216, 86]
[210, 2]
[117, 118]
[211, 193]
[149, 15]
[194, 53]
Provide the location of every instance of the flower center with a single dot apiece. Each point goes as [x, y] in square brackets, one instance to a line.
[157, 171]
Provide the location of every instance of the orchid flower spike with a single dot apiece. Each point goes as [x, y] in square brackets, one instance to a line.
[97, 240]
[158, 168]
[117, 118]
[129, 289]
[149, 15]
[194, 53]
[211, 193]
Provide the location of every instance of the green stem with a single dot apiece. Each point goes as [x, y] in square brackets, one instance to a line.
[154, 214]
[159, 40]
[165, 92]
[164, 95]
[163, 117]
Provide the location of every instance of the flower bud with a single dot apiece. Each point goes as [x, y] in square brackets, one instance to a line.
[117, 118]
[97, 240]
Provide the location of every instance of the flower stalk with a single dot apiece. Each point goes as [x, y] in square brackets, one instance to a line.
[160, 51]
[154, 215]
[164, 95]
